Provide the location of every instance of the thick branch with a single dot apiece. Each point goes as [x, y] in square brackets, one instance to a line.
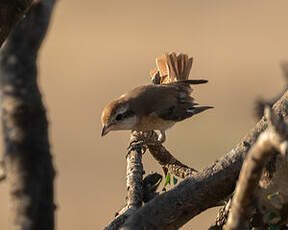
[249, 177]
[27, 155]
[205, 189]
[11, 11]
[268, 143]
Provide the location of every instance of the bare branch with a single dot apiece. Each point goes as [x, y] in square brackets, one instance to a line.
[11, 12]
[120, 219]
[268, 143]
[205, 189]
[134, 176]
[134, 185]
[164, 157]
[222, 216]
[27, 158]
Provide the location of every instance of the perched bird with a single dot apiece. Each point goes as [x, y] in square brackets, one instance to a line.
[156, 106]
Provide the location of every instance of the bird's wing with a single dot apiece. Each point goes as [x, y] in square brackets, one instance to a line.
[181, 106]
[168, 101]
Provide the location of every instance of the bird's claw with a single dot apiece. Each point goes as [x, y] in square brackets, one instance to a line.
[137, 145]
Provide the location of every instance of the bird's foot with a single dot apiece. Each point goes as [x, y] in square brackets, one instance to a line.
[137, 144]
[140, 140]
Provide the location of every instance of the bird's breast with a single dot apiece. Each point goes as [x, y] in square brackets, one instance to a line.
[153, 122]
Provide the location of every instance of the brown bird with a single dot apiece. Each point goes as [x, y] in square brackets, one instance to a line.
[158, 106]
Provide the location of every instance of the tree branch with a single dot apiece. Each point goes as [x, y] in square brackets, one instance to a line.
[205, 189]
[134, 185]
[11, 11]
[164, 157]
[268, 143]
[27, 158]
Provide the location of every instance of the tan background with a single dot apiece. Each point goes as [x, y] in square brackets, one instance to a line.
[97, 50]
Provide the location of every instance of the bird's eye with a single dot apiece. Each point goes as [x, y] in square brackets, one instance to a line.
[119, 117]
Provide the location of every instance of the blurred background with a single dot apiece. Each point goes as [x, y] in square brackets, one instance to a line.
[97, 50]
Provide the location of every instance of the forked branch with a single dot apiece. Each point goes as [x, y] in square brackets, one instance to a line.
[205, 189]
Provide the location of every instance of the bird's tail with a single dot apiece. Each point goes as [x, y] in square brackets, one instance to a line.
[171, 68]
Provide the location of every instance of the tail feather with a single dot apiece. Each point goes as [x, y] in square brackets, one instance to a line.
[181, 62]
[161, 63]
[193, 82]
[188, 67]
[172, 68]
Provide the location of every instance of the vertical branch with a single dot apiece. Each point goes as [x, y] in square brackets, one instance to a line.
[11, 11]
[27, 158]
[134, 185]
[134, 177]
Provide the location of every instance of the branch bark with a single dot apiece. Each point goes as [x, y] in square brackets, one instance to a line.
[269, 143]
[134, 185]
[27, 158]
[204, 190]
[11, 11]
[165, 158]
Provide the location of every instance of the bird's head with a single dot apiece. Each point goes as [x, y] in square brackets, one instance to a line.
[117, 116]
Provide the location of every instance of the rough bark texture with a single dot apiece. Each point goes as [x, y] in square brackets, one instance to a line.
[165, 158]
[134, 186]
[243, 200]
[205, 189]
[27, 158]
[269, 143]
[134, 177]
[11, 11]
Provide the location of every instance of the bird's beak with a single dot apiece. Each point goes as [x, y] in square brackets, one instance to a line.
[106, 129]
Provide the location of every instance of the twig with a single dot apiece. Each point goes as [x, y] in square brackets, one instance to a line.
[164, 157]
[266, 146]
[134, 186]
[28, 162]
[205, 189]
[222, 216]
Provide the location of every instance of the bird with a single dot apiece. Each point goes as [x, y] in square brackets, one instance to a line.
[156, 106]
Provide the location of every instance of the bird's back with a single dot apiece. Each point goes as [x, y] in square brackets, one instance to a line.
[168, 101]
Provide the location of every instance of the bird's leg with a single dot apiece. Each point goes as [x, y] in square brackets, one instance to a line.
[139, 140]
[162, 136]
